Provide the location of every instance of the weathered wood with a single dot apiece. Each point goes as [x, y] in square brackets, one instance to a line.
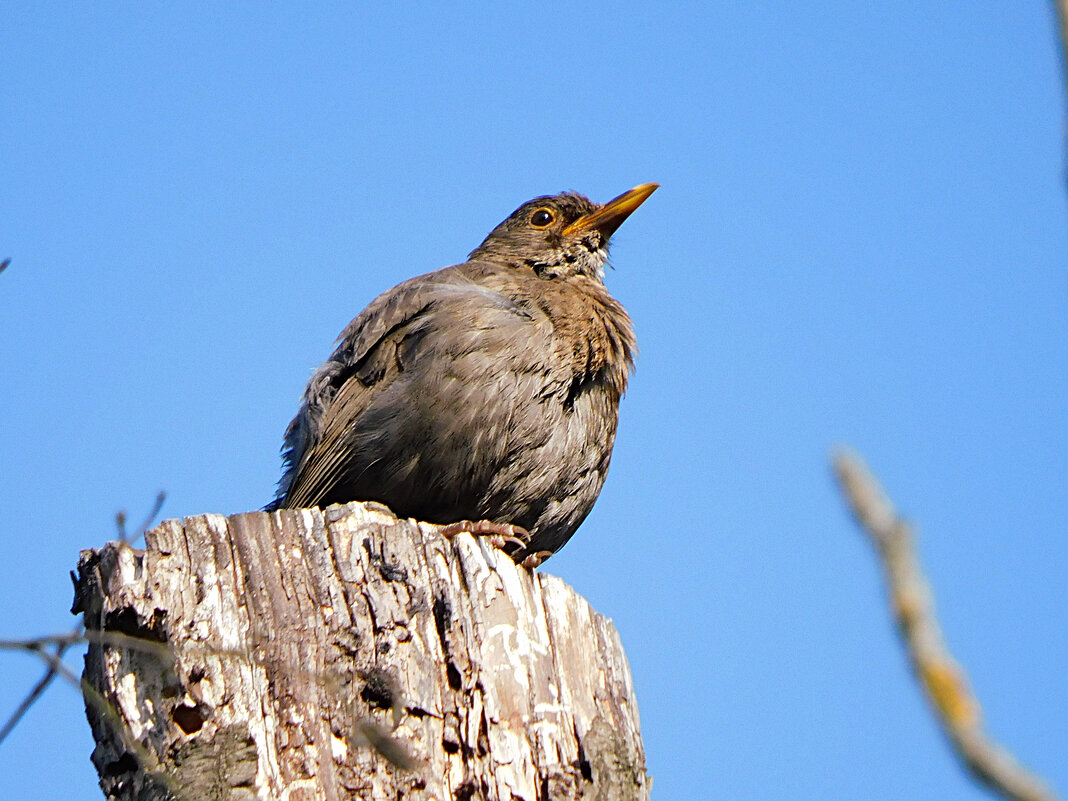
[346, 654]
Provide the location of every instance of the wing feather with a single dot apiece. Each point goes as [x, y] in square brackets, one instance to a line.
[392, 335]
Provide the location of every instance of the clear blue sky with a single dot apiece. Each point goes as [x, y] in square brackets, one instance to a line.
[861, 237]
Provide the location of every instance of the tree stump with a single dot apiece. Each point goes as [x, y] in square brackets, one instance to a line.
[343, 653]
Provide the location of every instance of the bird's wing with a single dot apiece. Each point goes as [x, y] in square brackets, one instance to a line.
[319, 443]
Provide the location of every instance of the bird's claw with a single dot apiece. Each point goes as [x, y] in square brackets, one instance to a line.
[511, 539]
[535, 559]
[505, 536]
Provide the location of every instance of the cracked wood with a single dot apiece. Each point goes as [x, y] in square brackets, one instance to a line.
[347, 654]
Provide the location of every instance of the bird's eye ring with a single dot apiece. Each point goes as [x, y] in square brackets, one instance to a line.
[541, 218]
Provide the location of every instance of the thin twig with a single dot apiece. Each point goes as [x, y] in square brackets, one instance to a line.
[38, 689]
[150, 518]
[120, 521]
[36, 644]
[1062, 30]
[1061, 11]
[369, 734]
[95, 699]
[112, 639]
[55, 666]
[61, 643]
[942, 678]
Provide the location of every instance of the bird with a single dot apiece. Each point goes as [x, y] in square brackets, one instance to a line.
[481, 397]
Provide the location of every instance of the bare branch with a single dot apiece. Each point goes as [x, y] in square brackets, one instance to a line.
[366, 734]
[38, 644]
[1062, 30]
[111, 639]
[107, 713]
[55, 666]
[38, 689]
[942, 678]
[150, 518]
[120, 521]
[61, 643]
[1061, 10]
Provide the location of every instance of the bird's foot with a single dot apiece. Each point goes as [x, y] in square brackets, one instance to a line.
[535, 559]
[510, 539]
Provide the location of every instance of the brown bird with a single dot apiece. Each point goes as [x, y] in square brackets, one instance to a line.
[487, 391]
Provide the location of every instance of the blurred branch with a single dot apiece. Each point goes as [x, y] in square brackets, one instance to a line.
[93, 699]
[112, 639]
[942, 678]
[1061, 7]
[367, 733]
[3, 266]
[1062, 30]
[59, 644]
[54, 667]
[150, 518]
[54, 662]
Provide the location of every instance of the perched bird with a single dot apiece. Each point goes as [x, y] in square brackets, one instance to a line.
[487, 391]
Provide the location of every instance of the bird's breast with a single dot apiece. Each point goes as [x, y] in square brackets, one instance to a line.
[592, 337]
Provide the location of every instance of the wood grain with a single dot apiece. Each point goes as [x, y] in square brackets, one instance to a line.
[344, 653]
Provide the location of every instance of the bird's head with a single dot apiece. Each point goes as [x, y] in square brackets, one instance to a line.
[559, 236]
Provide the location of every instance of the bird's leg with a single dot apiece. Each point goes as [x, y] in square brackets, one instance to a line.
[501, 535]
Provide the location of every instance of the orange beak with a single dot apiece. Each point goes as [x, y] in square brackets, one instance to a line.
[611, 215]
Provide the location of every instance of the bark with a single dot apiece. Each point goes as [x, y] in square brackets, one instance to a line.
[346, 654]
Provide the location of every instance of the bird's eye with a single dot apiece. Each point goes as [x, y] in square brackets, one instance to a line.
[541, 218]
